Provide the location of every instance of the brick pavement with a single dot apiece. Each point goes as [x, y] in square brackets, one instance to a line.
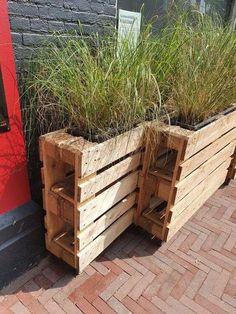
[194, 273]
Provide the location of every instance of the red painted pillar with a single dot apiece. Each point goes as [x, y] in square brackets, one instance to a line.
[14, 185]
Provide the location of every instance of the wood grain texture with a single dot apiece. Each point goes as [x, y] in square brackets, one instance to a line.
[91, 186]
[105, 239]
[91, 210]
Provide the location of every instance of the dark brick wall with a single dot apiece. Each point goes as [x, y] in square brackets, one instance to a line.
[33, 21]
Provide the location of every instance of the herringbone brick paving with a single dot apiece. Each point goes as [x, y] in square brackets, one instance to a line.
[194, 273]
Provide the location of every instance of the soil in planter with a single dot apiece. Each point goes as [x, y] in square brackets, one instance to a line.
[199, 125]
[96, 138]
[112, 132]
[87, 136]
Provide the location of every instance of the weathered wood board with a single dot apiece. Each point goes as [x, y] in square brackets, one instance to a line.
[205, 159]
[90, 192]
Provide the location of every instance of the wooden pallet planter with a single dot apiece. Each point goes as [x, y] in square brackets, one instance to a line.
[189, 167]
[232, 169]
[90, 192]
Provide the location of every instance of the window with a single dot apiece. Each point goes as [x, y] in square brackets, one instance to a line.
[151, 8]
[233, 14]
[221, 7]
[158, 7]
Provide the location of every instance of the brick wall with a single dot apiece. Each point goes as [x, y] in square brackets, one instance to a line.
[32, 21]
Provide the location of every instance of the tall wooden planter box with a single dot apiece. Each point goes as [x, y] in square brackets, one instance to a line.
[93, 192]
[189, 167]
[90, 192]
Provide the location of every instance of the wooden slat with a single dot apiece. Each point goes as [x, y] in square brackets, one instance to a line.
[150, 227]
[91, 210]
[232, 170]
[54, 171]
[67, 215]
[58, 251]
[161, 173]
[163, 189]
[45, 221]
[155, 202]
[55, 225]
[106, 153]
[66, 241]
[154, 216]
[176, 131]
[164, 165]
[210, 133]
[90, 252]
[62, 146]
[65, 188]
[99, 182]
[209, 190]
[43, 198]
[52, 142]
[146, 188]
[234, 162]
[147, 185]
[76, 199]
[195, 161]
[190, 182]
[61, 207]
[179, 157]
[171, 141]
[173, 135]
[215, 177]
[53, 204]
[42, 175]
[94, 229]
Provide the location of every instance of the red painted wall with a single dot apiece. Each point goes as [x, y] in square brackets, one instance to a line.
[14, 185]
